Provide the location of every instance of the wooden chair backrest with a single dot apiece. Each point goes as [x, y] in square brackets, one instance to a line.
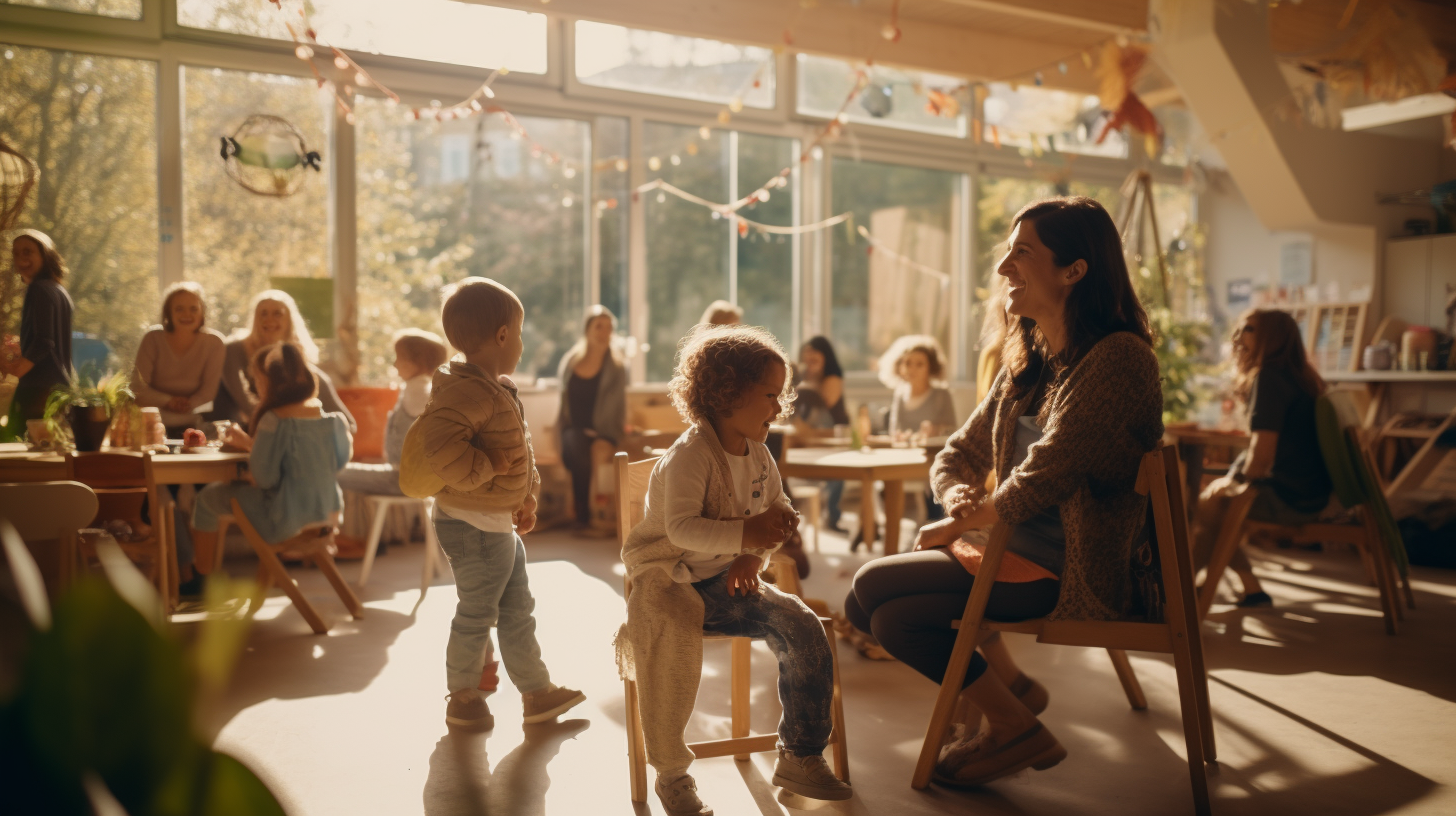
[1160, 480]
[632, 480]
[46, 510]
[122, 481]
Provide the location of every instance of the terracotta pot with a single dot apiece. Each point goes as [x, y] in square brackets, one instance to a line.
[88, 426]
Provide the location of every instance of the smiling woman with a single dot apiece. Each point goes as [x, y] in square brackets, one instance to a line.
[179, 363]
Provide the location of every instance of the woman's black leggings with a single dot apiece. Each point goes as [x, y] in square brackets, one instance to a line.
[908, 601]
[576, 454]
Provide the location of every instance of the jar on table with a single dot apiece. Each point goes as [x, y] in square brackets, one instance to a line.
[1414, 343]
[1379, 356]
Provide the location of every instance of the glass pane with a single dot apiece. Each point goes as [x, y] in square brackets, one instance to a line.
[894, 97]
[236, 240]
[1046, 119]
[90, 124]
[124, 9]
[630, 59]
[687, 248]
[910, 212]
[438, 202]
[766, 262]
[448, 31]
[609, 173]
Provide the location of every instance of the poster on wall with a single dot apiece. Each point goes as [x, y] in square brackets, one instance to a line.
[1240, 295]
[1296, 263]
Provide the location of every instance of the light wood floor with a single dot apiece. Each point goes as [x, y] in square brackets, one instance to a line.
[1316, 709]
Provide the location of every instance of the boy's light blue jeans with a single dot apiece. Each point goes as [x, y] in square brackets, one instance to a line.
[490, 580]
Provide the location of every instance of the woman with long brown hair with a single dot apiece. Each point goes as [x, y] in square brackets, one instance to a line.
[593, 415]
[1283, 465]
[42, 360]
[1076, 405]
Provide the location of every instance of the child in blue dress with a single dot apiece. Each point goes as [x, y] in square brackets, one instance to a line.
[295, 453]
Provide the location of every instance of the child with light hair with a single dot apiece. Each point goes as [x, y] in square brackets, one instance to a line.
[471, 450]
[417, 354]
[715, 511]
[914, 368]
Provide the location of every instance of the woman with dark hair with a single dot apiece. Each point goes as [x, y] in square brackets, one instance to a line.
[42, 360]
[819, 405]
[1075, 407]
[179, 363]
[1283, 465]
[593, 404]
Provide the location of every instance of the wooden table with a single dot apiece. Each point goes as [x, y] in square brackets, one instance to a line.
[1192, 442]
[893, 466]
[20, 465]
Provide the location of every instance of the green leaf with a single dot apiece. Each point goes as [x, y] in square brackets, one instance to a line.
[232, 789]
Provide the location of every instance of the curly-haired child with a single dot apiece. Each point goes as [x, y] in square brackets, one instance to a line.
[715, 511]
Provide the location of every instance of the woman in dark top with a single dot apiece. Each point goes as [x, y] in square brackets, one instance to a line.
[43, 359]
[593, 403]
[819, 405]
[1076, 405]
[1283, 465]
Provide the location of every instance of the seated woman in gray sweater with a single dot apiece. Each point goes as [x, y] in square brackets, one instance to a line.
[273, 318]
[179, 363]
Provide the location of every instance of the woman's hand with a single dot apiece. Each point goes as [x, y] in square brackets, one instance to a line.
[743, 575]
[961, 500]
[238, 439]
[1223, 486]
[940, 533]
[179, 405]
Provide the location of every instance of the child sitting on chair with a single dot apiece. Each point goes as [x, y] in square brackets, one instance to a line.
[715, 511]
[416, 356]
[294, 452]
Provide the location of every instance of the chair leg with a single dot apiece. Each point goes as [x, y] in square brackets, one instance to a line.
[371, 545]
[636, 751]
[1130, 685]
[223, 522]
[741, 684]
[1230, 536]
[326, 565]
[838, 737]
[269, 559]
[261, 582]
[1380, 557]
[816, 512]
[1194, 715]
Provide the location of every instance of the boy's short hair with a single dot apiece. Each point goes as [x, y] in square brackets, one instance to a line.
[475, 309]
[722, 313]
[425, 349]
[717, 364]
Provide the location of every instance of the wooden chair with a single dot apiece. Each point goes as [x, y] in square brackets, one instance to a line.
[810, 496]
[313, 543]
[1353, 471]
[123, 482]
[45, 511]
[632, 479]
[1178, 634]
[426, 508]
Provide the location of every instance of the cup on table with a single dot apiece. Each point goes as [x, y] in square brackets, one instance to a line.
[841, 432]
[220, 429]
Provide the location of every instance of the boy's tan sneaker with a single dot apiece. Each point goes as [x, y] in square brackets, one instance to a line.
[681, 797]
[809, 776]
[548, 704]
[468, 710]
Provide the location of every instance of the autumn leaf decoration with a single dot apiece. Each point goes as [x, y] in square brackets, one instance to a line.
[1118, 72]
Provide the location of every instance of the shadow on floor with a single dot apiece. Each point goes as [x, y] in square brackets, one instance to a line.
[461, 782]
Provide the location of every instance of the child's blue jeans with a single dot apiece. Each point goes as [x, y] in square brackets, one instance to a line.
[796, 637]
[490, 580]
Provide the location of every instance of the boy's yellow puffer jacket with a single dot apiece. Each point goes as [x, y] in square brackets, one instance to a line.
[466, 448]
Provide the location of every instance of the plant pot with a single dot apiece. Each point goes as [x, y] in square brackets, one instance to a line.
[88, 426]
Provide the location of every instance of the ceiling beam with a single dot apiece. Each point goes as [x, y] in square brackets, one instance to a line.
[846, 33]
[1106, 18]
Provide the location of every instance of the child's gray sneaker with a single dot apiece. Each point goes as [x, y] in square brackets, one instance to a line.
[467, 709]
[549, 703]
[681, 797]
[809, 776]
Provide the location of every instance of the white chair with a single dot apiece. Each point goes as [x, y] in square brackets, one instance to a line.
[382, 505]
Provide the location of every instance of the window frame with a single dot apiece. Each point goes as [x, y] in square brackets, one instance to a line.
[557, 93]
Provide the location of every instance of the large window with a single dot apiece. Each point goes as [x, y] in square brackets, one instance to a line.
[694, 257]
[237, 241]
[448, 31]
[610, 203]
[909, 100]
[1046, 119]
[89, 122]
[442, 201]
[911, 214]
[124, 9]
[630, 59]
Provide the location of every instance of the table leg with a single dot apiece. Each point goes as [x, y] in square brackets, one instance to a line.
[1192, 455]
[1377, 401]
[867, 513]
[894, 511]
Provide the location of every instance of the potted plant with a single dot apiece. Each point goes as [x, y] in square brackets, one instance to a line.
[87, 407]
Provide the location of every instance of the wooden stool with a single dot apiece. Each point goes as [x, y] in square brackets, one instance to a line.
[314, 544]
